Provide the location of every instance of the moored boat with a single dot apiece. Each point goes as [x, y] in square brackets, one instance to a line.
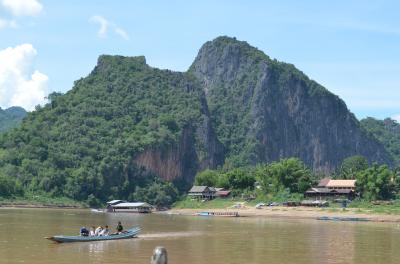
[129, 233]
[338, 218]
[226, 214]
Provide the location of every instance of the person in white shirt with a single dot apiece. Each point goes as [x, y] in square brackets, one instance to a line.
[98, 231]
[92, 231]
[105, 231]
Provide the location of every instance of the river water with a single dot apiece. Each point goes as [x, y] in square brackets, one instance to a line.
[191, 239]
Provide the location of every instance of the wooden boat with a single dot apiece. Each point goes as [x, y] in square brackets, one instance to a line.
[130, 233]
[337, 218]
[225, 214]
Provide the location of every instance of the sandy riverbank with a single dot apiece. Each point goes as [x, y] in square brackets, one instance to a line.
[295, 213]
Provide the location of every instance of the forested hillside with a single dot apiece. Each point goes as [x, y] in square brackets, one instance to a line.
[387, 132]
[11, 117]
[128, 130]
[85, 142]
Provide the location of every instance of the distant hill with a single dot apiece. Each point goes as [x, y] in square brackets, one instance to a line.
[11, 117]
[387, 132]
[127, 124]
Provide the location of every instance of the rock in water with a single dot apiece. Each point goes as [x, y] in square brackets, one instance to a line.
[159, 256]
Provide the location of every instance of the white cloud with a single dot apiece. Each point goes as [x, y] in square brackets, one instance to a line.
[20, 84]
[23, 7]
[396, 117]
[105, 25]
[122, 33]
[7, 23]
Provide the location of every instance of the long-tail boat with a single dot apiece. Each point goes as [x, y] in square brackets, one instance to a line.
[129, 233]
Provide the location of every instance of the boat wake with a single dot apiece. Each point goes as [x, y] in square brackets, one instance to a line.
[169, 235]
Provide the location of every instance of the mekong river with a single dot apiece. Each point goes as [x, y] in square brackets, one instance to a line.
[191, 239]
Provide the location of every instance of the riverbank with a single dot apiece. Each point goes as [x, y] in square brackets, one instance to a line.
[27, 205]
[41, 202]
[295, 213]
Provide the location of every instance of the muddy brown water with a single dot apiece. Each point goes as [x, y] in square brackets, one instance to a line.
[191, 239]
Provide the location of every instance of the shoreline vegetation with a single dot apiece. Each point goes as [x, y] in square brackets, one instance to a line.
[41, 202]
[286, 180]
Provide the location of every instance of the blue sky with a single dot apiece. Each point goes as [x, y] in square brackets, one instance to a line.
[350, 47]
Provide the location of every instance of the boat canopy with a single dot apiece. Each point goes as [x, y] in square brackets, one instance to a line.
[132, 205]
[114, 202]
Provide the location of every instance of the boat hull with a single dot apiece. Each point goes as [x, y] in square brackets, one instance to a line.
[130, 233]
[347, 219]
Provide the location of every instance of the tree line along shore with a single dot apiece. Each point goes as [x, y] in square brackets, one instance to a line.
[284, 180]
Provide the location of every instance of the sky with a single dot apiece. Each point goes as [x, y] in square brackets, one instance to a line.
[350, 47]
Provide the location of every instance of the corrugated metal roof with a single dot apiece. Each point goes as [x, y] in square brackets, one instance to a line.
[115, 202]
[132, 205]
[198, 189]
[323, 182]
[342, 183]
[329, 183]
[223, 193]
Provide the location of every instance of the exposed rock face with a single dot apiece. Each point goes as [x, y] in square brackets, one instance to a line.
[174, 161]
[187, 157]
[264, 110]
[198, 147]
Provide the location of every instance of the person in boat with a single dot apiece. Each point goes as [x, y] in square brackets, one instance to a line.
[98, 230]
[84, 231]
[120, 228]
[105, 231]
[92, 231]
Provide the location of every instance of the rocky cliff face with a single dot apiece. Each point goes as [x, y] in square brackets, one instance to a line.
[198, 148]
[264, 110]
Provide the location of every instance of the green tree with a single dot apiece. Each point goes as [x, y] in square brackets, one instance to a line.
[351, 166]
[207, 178]
[9, 187]
[238, 179]
[376, 183]
[159, 194]
[289, 174]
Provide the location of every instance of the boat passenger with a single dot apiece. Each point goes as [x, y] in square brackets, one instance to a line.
[92, 231]
[98, 231]
[120, 228]
[105, 231]
[84, 231]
